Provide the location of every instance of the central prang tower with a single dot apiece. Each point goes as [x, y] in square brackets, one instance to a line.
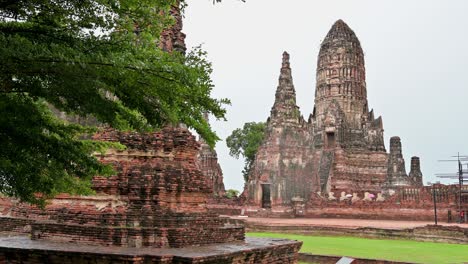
[341, 116]
[341, 76]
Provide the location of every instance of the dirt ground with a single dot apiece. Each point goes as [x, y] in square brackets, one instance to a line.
[346, 223]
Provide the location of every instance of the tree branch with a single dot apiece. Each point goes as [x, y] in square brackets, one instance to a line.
[104, 64]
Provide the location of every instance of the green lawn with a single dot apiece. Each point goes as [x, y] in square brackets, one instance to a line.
[397, 250]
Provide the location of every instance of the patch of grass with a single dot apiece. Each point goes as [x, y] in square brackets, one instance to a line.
[396, 250]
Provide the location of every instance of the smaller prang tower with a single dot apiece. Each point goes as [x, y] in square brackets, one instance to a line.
[396, 165]
[282, 166]
[415, 173]
[396, 174]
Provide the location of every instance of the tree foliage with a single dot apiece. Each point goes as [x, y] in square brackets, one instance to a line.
[245, 142]
[231, 193]
[97, 58]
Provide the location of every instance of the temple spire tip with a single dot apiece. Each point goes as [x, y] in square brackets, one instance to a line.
[285, 57]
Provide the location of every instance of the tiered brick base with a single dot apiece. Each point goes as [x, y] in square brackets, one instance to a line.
[176, 235]
[157, 199]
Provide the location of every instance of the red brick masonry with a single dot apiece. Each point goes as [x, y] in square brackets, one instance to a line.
[157, 199]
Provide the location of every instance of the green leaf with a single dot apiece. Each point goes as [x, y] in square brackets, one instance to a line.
[245, 142]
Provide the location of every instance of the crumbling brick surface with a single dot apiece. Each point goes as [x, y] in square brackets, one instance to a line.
[209, 166]
[173, 39]
[158, 198]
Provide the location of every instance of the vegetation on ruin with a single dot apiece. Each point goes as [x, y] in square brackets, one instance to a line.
[231, 193]
[88, 58]
[394, 250]
[245, 142]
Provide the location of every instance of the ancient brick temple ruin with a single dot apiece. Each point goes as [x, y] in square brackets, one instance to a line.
[340, 148]
[157, 201]
[208, 163]
[173, 39]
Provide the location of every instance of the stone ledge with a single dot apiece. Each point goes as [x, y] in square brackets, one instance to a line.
[20, 249]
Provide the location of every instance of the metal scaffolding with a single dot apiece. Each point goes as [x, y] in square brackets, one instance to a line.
[462, 176]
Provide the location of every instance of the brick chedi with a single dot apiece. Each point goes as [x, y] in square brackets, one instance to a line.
[341, 146]
[396, 165]
[396, 173]
[415, 172]
[173, 39]
[208, 163]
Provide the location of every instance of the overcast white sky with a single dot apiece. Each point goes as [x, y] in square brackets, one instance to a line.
[416, 56]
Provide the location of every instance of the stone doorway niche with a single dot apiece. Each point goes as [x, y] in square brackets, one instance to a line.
[331, 141]
[266, 195]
